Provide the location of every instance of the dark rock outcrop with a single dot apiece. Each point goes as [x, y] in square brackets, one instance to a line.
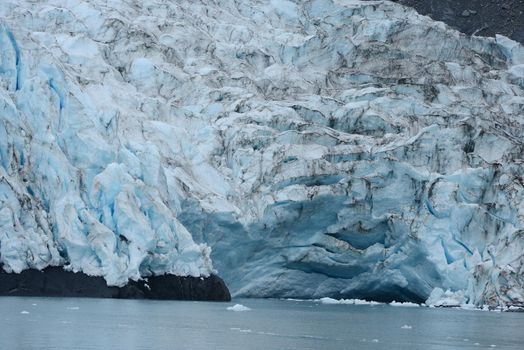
[479, 17]
[57, 282]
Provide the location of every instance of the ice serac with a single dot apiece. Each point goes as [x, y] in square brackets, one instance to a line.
[81, 184]
[347, 149]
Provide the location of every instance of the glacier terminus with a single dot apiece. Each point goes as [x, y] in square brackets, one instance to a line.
[298, 149]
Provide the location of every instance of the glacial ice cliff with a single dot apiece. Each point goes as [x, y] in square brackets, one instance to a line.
[309, 148]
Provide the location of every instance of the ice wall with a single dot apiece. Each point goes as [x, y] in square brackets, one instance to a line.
[320, 148]
[81, 184]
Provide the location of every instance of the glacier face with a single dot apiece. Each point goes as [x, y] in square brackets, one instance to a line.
[319, 148]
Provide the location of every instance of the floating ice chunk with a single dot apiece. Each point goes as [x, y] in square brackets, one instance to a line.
[439, 297]
[374, 340]
[331, 301]
[73, 308]
[405, 304]
[238, 307]
[406, 327]
[24, 312]
[365, 302]
[241, 330]
[468, 307]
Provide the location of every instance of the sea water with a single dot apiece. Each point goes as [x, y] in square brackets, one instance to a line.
[82, 324]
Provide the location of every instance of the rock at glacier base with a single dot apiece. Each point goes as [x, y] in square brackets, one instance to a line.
[57, 282]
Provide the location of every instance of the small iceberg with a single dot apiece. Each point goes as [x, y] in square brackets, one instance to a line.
[241, 330]
[404, 304]
[238, 307]
[331, 301]
[24, 312]
[406, 326]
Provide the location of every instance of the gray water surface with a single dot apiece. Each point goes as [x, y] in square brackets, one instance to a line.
[68, 324]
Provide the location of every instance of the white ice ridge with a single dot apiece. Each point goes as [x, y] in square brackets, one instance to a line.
[342, 148]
